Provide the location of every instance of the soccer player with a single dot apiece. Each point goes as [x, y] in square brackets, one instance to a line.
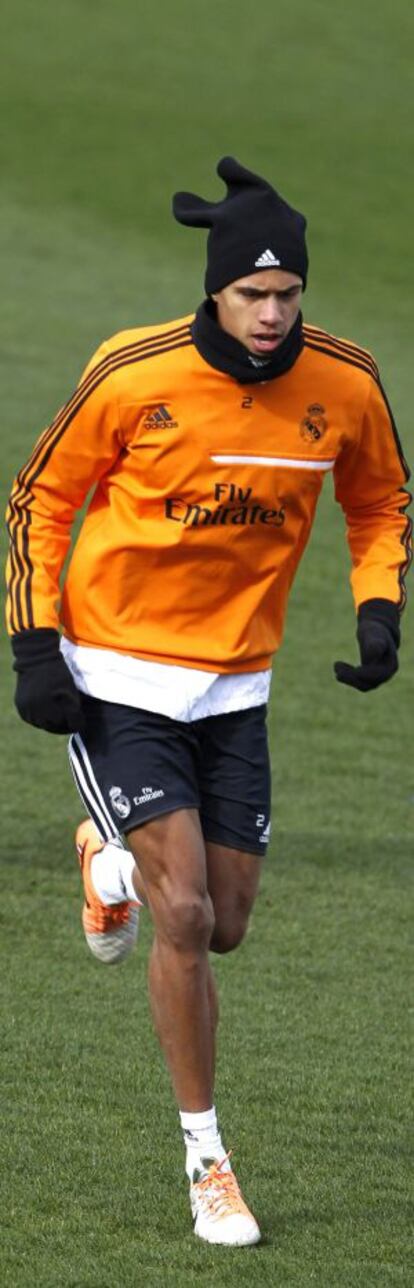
[206, 441]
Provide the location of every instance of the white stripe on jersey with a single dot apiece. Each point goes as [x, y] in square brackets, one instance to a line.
[289, 462]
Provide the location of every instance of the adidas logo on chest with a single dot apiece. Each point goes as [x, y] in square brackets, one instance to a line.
[159, 418]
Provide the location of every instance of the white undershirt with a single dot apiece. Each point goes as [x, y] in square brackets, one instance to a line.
[179, 692]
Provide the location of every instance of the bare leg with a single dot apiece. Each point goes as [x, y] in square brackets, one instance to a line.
[189, 1048]
[233, 878]
[176, 868]
[200, 897]
[171, 856]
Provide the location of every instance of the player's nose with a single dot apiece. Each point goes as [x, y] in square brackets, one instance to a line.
[270, 311]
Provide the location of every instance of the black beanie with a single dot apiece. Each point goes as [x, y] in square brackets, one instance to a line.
[251, 229]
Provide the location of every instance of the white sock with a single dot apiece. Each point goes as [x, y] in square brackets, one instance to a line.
[111, 873]
[202, 1140]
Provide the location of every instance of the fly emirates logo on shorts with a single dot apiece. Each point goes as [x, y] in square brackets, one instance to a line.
[230, 504]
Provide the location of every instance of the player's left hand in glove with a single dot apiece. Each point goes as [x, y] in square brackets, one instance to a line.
[46, 695]
[378, 635]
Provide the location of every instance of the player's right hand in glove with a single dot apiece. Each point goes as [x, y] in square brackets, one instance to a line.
[378, 635]
[46, 695]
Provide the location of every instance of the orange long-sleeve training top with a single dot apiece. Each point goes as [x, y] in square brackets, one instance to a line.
[204, 493]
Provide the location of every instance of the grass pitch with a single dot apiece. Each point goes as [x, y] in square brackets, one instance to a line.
[108, 110]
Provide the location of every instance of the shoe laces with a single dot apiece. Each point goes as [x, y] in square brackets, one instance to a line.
[219, 1190]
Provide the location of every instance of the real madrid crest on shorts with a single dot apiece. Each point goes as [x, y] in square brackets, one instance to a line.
[120, 803]
[314, 424]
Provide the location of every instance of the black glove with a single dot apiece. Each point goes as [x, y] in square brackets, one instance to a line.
[46, 695]
[378, 635]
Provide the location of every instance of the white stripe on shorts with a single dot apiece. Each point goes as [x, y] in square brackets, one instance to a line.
[89, 789]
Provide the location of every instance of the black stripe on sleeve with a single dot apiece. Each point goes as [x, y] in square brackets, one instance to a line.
[345, 346]
[407, 532]
[396, 436]
[340, 357]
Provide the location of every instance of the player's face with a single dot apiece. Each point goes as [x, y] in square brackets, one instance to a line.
[261, 309]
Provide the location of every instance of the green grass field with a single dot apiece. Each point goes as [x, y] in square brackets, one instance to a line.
[106, 111]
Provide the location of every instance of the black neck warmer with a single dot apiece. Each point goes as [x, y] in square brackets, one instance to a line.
[226, 354]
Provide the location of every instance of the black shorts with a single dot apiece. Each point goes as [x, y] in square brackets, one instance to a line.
[132, 765]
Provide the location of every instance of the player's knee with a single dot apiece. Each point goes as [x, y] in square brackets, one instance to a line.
[228, 933]
[231, 912]
[189, 921]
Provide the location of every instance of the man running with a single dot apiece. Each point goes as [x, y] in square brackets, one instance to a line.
[206, 441]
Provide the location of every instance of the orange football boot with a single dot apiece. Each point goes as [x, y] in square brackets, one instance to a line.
[219, 1212]
[111, 930]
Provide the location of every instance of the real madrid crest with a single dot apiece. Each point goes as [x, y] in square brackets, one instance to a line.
[314, 424]
[120, 803]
